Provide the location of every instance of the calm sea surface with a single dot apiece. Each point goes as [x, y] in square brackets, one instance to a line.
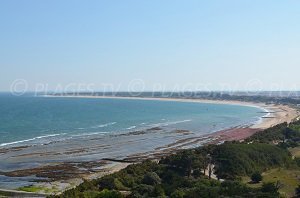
[40, 131]
[30, 120]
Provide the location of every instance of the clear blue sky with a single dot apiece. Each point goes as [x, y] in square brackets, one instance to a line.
[216, 43]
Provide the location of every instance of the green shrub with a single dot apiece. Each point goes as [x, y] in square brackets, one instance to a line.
[109, 194]
[151, 179]
[256, 177]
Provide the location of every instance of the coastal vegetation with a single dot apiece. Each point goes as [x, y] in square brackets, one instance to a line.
[223, 170]
[286, 178]
[284, 135]
[256, 177]
[36, 189]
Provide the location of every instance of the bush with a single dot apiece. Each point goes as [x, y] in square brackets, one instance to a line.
[151, 179]
[119, 185]
[177, 194]
[238, 159]
[158, 191]
[269, 188]
[143, 189]
[107, 182]
[256, 177]
[91, 194]
[297, 160]
[109, 194]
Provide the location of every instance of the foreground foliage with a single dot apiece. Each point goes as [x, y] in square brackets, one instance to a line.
[188, 173]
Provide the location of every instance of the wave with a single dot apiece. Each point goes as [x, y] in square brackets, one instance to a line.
[87, 134]
[132, 127]
[169, 123]
[104, 125]
[31, 139]
[259, 119]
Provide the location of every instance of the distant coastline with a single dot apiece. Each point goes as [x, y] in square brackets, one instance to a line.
[275, 114]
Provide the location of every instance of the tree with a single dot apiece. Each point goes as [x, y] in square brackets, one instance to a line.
[297, 160]
[107, 182]
[142, 190]
[151, 179]
[109, 194]
[256, 177]
[158, 191]
[177, 194]
[185, 161]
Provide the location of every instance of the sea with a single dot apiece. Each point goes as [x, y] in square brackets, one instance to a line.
[31, 120]
[36, 131]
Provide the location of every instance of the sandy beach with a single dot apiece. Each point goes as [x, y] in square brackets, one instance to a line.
[276, 113]
[272, 114]
[75, 171]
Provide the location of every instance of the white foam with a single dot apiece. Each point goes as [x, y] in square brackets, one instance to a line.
[170, 123]
[31, 139]
[132, 127]
[104, 125]
[260, 118]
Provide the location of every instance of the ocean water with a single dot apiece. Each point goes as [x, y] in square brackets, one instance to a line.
[29, 120]
[40, 131]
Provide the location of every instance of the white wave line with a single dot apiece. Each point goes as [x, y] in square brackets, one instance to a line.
[28, 140]
[104, 125]
[132, 127]
[171, 123]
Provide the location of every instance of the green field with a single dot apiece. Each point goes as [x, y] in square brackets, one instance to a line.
[288, 179]
[36, 189]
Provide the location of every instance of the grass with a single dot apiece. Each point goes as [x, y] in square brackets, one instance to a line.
[35, 189]
[289, 180]
[295, 151]
[247, 180]
[5, 194]
[31, 189]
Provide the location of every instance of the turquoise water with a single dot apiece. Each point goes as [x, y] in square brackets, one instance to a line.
[38, 131]
[32, 120]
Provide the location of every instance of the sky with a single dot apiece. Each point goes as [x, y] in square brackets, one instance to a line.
[134, 45]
